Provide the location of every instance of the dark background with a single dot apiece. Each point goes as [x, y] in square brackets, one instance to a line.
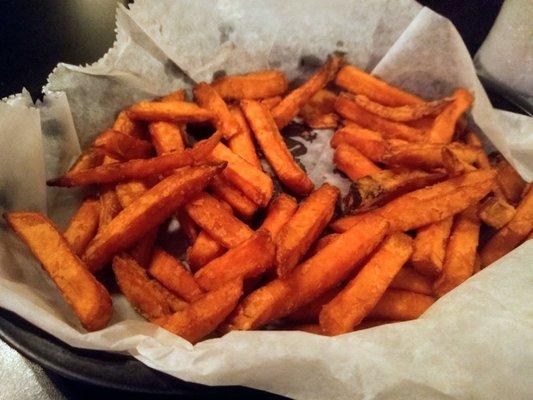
[36, 35]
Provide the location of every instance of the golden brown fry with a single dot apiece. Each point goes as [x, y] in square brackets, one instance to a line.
[512, 234]
[319, 111]
[122, 146]
[137, 169]
[428, 205]
[93, 308]
[228, 193]
[274, 147]
[510, 182]
[88, 159]
[242, 143]
[166, 137]
[279, 212]
[203, 250]
[248, 260]
[128, 192]
[208, 98]
[126, 125]
[430, 247]
[408, 279]
[147, 212]
[252, 181]
[147, 296]
[363, 292]
[370, 143]
[496, 212]
[404, 113]
[204, 315]
[271, 102]
[174, 276]
[256, 85]
[304, 227]
[359, 82]
[453, 165]
[109, 206]
[444, 125]
[172, 111]
[460, 252]
[178, 95]
[83, 225]
[401, 305]
[350, 161]
[291, 104]
[324, 270]
[348, 108]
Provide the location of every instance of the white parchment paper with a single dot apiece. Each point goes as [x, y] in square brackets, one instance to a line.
[476, 342]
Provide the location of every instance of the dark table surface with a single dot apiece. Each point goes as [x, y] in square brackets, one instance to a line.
[36, 35]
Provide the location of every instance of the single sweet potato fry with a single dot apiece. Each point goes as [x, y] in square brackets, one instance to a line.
[279, 212]
[370, 143]
[408, 279]
[444, 125]
[348, 108]
[166, 137]
[323, 271]
[274, 148]
[249, 259]
[90, 158]
[510, 182]
[208, 98]
[401, 305]
[453, 165]
[204, 315]
[460, 252]
[126, 125]
[128, 192]
[363, 292]
[425, 206]
[147, 296]
[172, 111]
[178, 95]
[319, 111]
[242, 143]
[147, 212]
[174, 276]
[430, 247]
[203, 250]
[252, 181]
[291, 104]
[138, 169]
[122, 146]
[83, 225]
[359, 82]
[109, 206]
[256, 85]
[219, 223]
[143, 249]
[323, 242]
[304, 227]
[404, 113]
[350, 161]
[496, 212]
[225, 191]
[271, 102]
[87, 297]
[512, 234]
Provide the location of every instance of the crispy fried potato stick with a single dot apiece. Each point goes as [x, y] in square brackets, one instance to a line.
[401, 305]
[496, 212]
[143, 249]
[172, 111]
[174, 276]
[90, 158]
[370, 143]
[319, 111]
[242, 143]
[350, 161]
[203, 250]
[128, 192]
[204, 315]
[256, 85]
[271, 102]
[87, 297]
[279, 212]
[109, 206]
[126, 125]
[166, 137]
[122, 146]
[274, 148]
[510, 182]
[430, 247]
[304, 227]
[291, 104]
[359, 82]
[83, 225]
[324, 270]
[178, 95]
[460, 252]
[323, 242]
[248, 260]
[147, 212]
[363, 292]
[408, 279]
[225, 191]
[444, 125]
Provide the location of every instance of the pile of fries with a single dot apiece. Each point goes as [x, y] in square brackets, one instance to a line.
[407, 233]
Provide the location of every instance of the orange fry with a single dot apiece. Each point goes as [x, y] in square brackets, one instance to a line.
[348, 108]
[291, 104]
[401, 305]
[304, 227]
[147, 212]
[460, 252]
[256, 85]
[166, 137]
[109, 206]
[83, 225]
[444, 125]
[93, 308]
[319, 111]
[128, 192]
[174, 276]
[308, 314]
[225, 191]
[496, 212]
[323, 242]
[172, 111]
[203, 250]
[203, 316]
[510, 182]
[408, 279]
[88, 159]
[126, 125]
[219, 223]
[242, 143]
[359, 82]
[430, 247]
[362, 293]
[249, 259]
[279, 212]
[208, 98]
[271, 102]
[318, 274]
[178, 95]
[512, 234]
[122, 146]
[370, 143]
[143, 249]
[350, 161]
[274, 147]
